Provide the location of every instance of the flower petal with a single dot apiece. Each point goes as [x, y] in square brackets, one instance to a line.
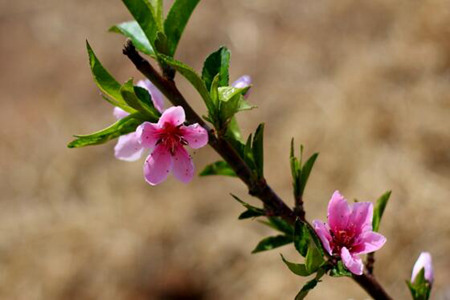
[361, 217]
[195, 135]
[369, 242]
[128, 147]
[183, 167]
[158, 165]
[119, 113]
[148, 134]
[353, 263]
[424, 261]
[173, 115]
[338, 212]
[157, 96]
[323, 232]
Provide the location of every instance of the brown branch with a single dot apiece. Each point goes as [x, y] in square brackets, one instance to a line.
[257, 187]
[370, 261]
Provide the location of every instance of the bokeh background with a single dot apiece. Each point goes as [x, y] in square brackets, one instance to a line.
[365, 83]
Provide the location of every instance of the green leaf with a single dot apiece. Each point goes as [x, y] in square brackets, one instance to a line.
[379, 210]
[218, 168]
[192, 77]
[301, 237]
[279, 224]
[121, 127]
[233, 130]
[105, 82]
[158, 6]
[133, 31]
[309, 285]
[176, 21]
[231, 102]
[314, 259]
[251, 211]
[339, 270]
[217, 63]
[305, 171]
[297, 269]
[143, 12]
[258, 150]
[272, 242]
[143, 103]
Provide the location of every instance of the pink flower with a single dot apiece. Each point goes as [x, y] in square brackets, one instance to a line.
[242, 82]
[128, 147]
[349, 232]
[167, 139]
[423, 262]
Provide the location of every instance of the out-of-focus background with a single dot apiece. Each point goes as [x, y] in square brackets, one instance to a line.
[365, 83]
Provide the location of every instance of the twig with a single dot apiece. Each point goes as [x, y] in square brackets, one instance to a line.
[257, 187]
[370, 261]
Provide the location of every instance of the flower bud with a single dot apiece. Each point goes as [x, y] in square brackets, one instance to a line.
[423, 262]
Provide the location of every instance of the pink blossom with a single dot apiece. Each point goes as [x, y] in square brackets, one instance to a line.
[166, 140]
[423, 262]
[128, 147]
[348, 233]
[243, 82]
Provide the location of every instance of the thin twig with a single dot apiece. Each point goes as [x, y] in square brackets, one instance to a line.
[257, 187]
[370, 261]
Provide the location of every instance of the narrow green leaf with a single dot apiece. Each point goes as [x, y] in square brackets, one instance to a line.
[379, 210]
[305, 171]
[301, 237]
[234, 131]
[192, 77]
[251, 211]
[176, 21]
[109, 87]
[217, 63]
[297, 269]
[279, 224]
[315, 239]
[158, 11]
[258, 150]
[313, 259]
[272, 242]
[143, 12]
[122, 126]
[218, 168]
[309, 286]
[133, 31]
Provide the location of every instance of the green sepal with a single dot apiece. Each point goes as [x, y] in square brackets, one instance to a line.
[251, 212]
[379, 210]
[297, 269]
[121, 127]
[139, 99]
[134, 32]
[272, 242]
[420, 289]
[218, 168]
[176, 21]
[109, 86]
[339, 270]
[217, 63]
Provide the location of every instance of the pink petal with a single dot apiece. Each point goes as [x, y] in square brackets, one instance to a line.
[361, 216]
[424, 261]
[148, 134]
[119, 113]
[323, 232]
[353, 263]
[128, 147]
[173, 115]
[242, 82]
[157, 166]
[370, 242]
[157, 97]
[338, 212]
[183, 167]
[195, 135]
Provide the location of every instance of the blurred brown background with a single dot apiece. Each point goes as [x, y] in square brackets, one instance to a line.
[365, 83]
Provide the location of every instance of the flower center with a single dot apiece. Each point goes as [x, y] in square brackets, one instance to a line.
[342, 238]
[171, 137]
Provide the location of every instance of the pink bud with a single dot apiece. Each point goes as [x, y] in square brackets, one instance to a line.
[424, 261]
